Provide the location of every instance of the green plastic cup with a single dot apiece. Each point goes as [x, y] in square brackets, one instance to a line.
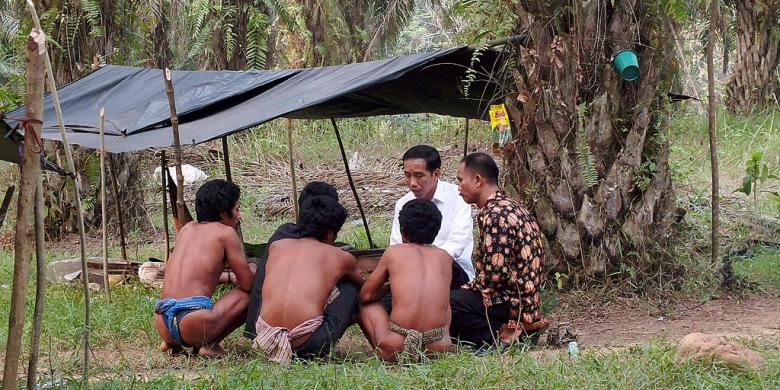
[626, 63]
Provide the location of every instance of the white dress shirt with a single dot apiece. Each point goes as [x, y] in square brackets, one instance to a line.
[456, 235]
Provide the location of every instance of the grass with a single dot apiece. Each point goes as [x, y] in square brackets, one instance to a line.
[763, 269]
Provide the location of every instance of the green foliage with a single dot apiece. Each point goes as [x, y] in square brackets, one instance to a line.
[585, 159]
[484, 19]
[756, 171]
[92, 14]
[257, 45]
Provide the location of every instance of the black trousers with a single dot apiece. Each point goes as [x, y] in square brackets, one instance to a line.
[337, 319]
[472, 321]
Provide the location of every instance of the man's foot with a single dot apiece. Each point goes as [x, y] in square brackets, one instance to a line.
[211, 351]
[173, 349]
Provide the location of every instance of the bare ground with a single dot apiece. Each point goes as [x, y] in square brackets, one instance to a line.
[634, 321]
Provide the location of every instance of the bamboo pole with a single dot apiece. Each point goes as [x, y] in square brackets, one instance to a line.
[292, 169]
[176, 146]
[352, 183]
[466, 139]
[120, 215]
[103, 206]
[715, 237]
[30, 175]
[40, 287]
[77, 184]
[164, 178]
[6, 203]
[229, 177]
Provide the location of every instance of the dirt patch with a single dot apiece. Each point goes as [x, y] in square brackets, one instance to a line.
[629, 322]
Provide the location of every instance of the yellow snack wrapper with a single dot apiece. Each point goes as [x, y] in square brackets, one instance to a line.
[500, 125]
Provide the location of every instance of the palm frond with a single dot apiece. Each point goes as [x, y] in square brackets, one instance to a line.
[392, 20]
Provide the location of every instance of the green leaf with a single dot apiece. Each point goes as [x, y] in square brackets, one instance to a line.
[764, 173]
[747, 185]
[757, 156]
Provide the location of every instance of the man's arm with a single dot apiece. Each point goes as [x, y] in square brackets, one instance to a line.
[461, 230]
[234, 251]
[351, 272]
[374, 287]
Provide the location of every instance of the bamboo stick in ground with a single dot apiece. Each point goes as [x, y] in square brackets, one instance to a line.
[77, 184]
[164, 179]
[30, 175]
[176, 146]
[120, 216]
[294, 199]
[103, 206]
[40, 287]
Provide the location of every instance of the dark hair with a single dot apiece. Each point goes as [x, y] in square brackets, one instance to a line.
[424, 152]
[420, 221]
[482, 164]
[317, 188]
[214, 197]
[321, 215]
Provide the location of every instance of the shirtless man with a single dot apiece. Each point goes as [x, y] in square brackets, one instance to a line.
[185, 314]
[419, 284]
[302, 313]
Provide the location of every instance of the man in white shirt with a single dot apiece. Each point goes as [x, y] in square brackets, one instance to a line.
[422, 169]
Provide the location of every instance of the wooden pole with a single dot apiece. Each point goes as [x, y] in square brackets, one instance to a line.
[103, 205]
[713, 139]
[120, 215]
[466, 139]
[292, 169]
[40, 287]
[76, 185]
[30, 175]
[229, 176]
[6, 203]
[164, 177]
[176, 146]
[352, 183]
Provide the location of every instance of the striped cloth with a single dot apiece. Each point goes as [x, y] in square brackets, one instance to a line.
[275, 341]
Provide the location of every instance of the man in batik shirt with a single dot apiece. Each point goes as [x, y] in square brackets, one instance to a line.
[503, 300]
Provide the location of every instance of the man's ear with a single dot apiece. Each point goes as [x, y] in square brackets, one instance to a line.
[479, 181]
[437, 173]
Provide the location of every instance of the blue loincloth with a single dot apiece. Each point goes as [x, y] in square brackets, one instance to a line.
[174, 310]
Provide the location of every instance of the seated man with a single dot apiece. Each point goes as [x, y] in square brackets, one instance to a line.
[419, 277]
[302, 313]
[185, 315]
[287, 230]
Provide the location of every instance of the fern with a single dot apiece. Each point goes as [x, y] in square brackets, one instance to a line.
[256, 40]
[92, 13]
[585, 158]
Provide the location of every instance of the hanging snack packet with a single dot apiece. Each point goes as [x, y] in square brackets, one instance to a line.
[500, 126]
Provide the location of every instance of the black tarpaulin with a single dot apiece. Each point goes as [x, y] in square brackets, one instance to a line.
[426, 82]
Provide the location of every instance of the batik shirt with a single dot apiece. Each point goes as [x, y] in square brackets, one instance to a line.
[508, 259]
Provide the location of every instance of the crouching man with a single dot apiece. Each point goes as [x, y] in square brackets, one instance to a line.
[307, 306]
[419, 276]
[185, 314]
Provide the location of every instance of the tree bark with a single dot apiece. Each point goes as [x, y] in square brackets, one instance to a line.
[589, 155]
[754, 82]
[30, 175]
[40, 288]
[712, 101]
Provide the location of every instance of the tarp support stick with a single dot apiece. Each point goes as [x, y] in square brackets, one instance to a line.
[352, 183]
[103, 205]
[229, 176]
[294, 199]
[466, 139]
[164, 179]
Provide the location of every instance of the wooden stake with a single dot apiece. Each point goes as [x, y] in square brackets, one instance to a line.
[229, 176]
[30, 175]
[466, 139]
[103, 205]
[120, 215]
[40, 287]
[76, 185]
[715, 256]
[164, 178]
[6, 203]
[292, 169]
[176, 146]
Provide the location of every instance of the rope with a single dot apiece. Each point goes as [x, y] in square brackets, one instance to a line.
[26, 124]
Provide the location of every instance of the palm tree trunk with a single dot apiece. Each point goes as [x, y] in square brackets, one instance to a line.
[589, 154]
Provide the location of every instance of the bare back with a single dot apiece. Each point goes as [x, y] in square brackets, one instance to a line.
[419, 282]
[197, 261]
[299, 277]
